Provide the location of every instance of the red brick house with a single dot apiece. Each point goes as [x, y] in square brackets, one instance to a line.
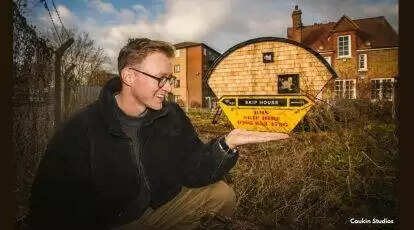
[191, 63]
[363, 52]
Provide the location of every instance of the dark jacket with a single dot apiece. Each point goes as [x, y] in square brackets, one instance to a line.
[89, 177]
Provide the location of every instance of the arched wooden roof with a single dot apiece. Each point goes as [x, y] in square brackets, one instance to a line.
[267, 39]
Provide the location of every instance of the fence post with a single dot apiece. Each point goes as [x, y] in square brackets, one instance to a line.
[66, 89]
[58, 81]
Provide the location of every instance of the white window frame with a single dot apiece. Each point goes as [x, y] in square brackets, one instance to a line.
[177, 68]
[208, 102]
[349, 46]
[177, 53]
[341, 89]
[364, 61]
[177, 83]
[328, 59]
[380, 94]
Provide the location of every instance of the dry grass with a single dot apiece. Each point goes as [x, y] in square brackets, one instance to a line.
[340, 163]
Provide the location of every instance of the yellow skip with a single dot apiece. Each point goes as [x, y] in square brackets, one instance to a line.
[265, 113]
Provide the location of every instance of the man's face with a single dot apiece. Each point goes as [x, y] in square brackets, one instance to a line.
[146, 89]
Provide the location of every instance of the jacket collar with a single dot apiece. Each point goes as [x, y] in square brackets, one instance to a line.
[107, 107]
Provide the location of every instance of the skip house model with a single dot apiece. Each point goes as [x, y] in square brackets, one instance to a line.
[269, 83]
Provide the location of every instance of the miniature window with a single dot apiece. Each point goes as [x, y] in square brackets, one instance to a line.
[288, 83]
[268, 57]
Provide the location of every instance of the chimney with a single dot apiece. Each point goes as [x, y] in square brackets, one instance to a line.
[297, 18]
[297, 24]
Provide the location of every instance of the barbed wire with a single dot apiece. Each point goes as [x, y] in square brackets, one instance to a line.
[53, 23]
[60, 19]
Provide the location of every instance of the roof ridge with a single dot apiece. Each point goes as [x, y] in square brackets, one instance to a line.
[327, 23]
[190, 44]
[368, 18]
[187, 42]
[318, 24]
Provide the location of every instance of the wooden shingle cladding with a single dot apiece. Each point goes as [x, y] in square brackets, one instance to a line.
[241, 70]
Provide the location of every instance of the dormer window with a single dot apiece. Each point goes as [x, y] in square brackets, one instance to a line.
[344, 46]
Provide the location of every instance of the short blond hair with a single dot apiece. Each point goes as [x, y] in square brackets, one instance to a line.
[137, 49]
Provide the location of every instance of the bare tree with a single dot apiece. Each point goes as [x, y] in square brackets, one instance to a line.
[84, 60]
[26, 6]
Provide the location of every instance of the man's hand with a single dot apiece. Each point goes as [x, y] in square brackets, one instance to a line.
[239, 137]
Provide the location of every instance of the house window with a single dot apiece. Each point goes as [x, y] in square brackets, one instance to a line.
[177, 53]
[177, 83]
[176, 68]
[344, 46]
[362, 63]
[208, 102]
[382, 89]
[328, 59]
[345, 89]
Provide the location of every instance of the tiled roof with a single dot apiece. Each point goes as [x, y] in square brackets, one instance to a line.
[317, 35]
[376, 30]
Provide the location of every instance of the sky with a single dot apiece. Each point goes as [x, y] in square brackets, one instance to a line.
[220, 24]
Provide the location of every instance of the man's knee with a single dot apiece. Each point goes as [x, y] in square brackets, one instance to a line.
[222, 193]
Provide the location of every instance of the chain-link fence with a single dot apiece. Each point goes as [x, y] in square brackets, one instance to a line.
[33, 104]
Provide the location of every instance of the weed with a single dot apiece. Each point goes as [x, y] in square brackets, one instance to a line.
[341, 162]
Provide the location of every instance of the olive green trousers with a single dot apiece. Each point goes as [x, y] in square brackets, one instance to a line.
[186, 209]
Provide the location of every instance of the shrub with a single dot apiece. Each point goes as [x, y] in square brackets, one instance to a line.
[345, 165]
[345, 114]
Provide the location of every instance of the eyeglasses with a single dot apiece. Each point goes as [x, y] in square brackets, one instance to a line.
[161, 80]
